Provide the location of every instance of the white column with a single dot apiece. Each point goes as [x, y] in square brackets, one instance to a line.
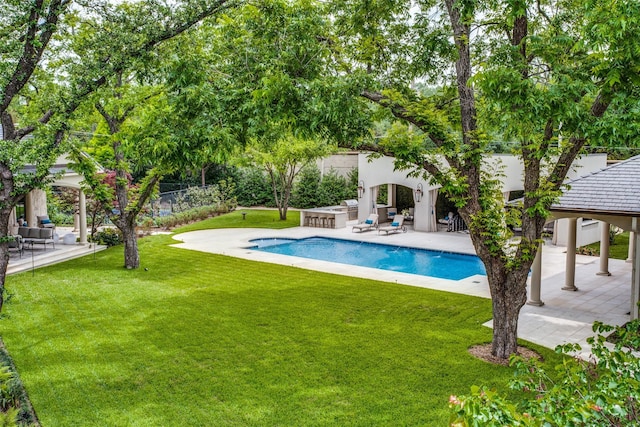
[570, 273]
[632, 237]
[604, 250]
[29, 209]
[536, 279]
[82, 205]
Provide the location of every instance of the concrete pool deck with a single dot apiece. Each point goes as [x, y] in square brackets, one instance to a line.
[566, 317]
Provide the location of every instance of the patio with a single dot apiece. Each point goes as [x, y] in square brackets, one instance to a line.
[38, 256]
[565, 317]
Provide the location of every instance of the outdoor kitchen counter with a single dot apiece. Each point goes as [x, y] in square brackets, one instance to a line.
[328, 217]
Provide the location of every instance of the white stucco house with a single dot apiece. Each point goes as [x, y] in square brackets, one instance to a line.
[374, 173]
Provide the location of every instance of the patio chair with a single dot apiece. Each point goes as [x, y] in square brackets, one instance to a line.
[391, 213]
[16, 244]
[369, 224]
[395, 226]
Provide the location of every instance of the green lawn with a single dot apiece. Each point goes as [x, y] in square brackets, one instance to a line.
[194, 339]
[252, 219]
[619, 249]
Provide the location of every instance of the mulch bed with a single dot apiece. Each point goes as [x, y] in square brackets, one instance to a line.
[483, 352]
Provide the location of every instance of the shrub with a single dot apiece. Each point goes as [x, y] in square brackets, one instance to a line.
[334, 189]
[220, 196]
[587, 250]
[191, 215]
[108, 237]
[305, 192]
[601, 391]
[310, 190]
[15, 408]
[254, 188]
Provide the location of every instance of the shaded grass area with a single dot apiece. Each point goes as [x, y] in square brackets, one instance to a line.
[208, 340]
[253, 218]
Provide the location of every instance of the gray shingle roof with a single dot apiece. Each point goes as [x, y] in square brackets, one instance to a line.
[614, 189]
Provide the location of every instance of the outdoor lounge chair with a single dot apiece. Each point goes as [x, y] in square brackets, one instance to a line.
[395, 226]
[369, 224]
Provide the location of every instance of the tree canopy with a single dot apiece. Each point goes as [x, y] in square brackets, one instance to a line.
[549, 77]
[51, 63]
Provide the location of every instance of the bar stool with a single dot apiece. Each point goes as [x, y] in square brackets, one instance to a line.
[331, 222]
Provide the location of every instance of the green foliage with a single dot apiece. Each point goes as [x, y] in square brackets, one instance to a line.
[603, 390]
[253, 188]
[285, 81]
[15, 409]
[186, 216]
[312, 190]
[306, 191]
[108, 237]
[334, 189]
[221, 197]
[283, 160]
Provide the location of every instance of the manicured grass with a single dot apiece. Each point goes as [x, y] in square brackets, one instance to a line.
[207, 340]
[619, 249]
[253, 218]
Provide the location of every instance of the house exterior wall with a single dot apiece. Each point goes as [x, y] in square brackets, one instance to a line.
[381, 171]
[342, 163]
[587, 231]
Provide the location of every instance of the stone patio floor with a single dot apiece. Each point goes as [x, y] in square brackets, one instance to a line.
[39, 255]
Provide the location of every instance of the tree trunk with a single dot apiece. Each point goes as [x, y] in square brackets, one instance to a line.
[4, 253]
[283, 213]
[508, 295]
[7, 203]
[131, 255]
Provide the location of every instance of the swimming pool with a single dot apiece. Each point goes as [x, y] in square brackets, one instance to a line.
[445, 265]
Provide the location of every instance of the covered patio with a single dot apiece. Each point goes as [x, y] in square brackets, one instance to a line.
[609, 195]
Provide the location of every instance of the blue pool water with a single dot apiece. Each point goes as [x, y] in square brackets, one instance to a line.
[445, 265]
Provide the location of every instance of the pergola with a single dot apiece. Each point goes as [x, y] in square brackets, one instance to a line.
[610, 195]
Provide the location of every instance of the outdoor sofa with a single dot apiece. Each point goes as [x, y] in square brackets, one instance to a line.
[32, 235]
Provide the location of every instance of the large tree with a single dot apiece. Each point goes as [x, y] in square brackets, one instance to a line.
[265, 74]
[38, 96]
[128, 138]
[541, 75]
